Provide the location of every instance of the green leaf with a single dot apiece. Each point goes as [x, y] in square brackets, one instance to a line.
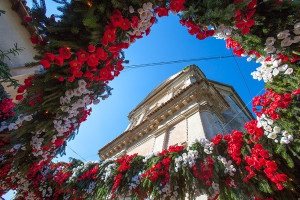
[279, 148]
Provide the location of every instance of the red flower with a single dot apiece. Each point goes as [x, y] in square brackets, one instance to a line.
[279, 186]
[102, 55]
[161, 11]
[77, 73]
[61, 79]
[116, 20]
[176, 5]
[92, 62]
[135, 21]
[49, 56]
[88, 74]
[240, 24]
[264, 154]
[64, 53]
[296, 92]
[281, 177]
[147, 31]
[82, 55]
[272, 165]
[21, 89]
[245, 31]
[91, 48]
[104, 43]
[28, 19]
[75, 64]
[158, 166]
[71, 79]
[58, 60]
[250, 13]
[109, 36]
[252, 4]
[200, 36]
[19, 97]
[209, 33]
[45, 63]
[250, 22]
[34, 40]
[125, 25]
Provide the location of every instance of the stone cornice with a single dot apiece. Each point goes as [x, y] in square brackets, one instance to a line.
[236, 95]
[186, 72]
[150, 124]
[199, 92]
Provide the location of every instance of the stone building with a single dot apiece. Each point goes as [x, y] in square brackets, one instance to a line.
[185, 106]
[14, 29]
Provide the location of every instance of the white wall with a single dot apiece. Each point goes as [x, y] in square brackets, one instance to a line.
[12, 32]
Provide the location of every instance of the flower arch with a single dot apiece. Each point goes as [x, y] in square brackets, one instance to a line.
[82, 52]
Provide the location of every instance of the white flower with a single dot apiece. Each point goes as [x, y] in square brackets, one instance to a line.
[131, 9]
[276, 129]
[140, 10]
[284, 140]
[28, 118]
[77, 92]
[296, 39]
[258, 124]
[62, 100]
[276, 63]
[270, 121]
[286, 42]
[297, 28]
[268, 128]
[270, 41]
[290, 137]
[272, 135]
[64, 108]
[275, 72]
[147, 6]
[289, 71]
[285, 133]
[270, 49]
[82, 90]
[283, 67]
[81, 83]
[69, 93]
[283, 34]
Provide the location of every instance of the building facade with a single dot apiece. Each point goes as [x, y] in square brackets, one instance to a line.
[14, 29]
[185, 106]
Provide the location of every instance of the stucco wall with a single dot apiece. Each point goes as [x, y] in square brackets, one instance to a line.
[177, 134]
[234, 117]
[159, 142]
[143, 147]
[209, 125]
[12, 31]
[195, 129]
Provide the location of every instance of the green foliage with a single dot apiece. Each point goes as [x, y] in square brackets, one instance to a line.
[83, 22]
[5, 76]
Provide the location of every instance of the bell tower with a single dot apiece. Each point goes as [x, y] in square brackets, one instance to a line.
[184, 107]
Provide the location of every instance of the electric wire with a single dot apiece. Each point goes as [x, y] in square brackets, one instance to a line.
[130, 67]
[242, 75]
[77, 153]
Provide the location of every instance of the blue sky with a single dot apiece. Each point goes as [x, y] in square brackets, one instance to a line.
[167, 41]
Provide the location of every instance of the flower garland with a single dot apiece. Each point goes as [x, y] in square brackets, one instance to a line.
[59, 113]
